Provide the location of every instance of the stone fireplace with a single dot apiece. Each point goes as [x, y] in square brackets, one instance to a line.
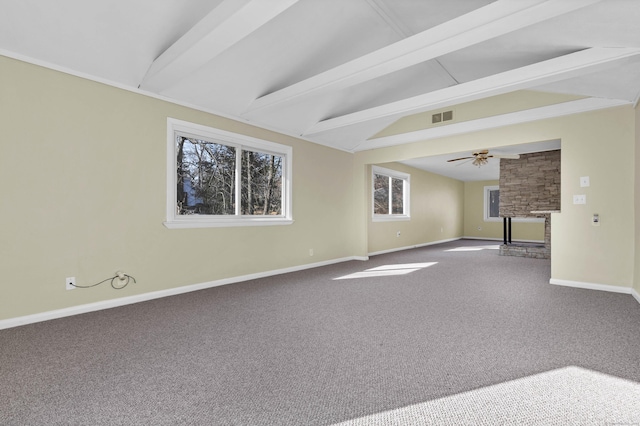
[529, 188]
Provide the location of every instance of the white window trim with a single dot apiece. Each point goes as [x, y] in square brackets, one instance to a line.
[406, 191]
[175, 221]
[485, 210]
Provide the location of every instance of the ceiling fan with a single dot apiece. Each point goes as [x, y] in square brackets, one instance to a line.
[482, 157]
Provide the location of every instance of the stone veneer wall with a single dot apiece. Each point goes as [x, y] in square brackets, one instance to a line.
[531, 183]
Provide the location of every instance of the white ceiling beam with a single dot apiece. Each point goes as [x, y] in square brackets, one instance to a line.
[496, 19]
[561, 68]
[223, 27]
[525, 116]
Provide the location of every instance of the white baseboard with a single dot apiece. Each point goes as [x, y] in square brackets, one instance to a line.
[412, 247]
[113, 303]
[592, 286]
[636, 295]
[502, 239]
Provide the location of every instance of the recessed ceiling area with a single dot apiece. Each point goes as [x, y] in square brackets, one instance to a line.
[466, 171]
[343, 73]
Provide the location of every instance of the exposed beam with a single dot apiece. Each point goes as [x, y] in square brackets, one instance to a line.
[552, 70]
[496, 19]
[525, 116]
[223, 27]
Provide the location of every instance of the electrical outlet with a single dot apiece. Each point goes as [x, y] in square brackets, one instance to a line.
[70, 283]
[398, 234]
[310, 252]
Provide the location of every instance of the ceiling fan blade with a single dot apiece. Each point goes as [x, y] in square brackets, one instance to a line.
[458, 159]
[467, 161]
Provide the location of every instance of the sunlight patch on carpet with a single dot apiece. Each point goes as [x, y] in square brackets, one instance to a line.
[388, 270]
[476, 248]
[570, 395]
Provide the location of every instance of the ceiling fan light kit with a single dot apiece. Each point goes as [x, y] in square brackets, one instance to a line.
[479, 161]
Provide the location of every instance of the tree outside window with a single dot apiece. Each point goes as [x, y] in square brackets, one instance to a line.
[223, 179]
[390, 194]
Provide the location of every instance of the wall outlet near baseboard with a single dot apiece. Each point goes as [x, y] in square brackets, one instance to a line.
[70, 283]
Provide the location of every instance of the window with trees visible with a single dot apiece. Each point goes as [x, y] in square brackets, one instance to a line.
[390, 194]
[218, 178]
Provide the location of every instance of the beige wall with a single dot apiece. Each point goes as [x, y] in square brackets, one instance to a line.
[436, 212]
[598, 144]
[83, 175]
[476, 227]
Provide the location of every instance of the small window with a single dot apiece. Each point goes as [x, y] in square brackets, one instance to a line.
[491, 204]
[217, 178]
[390, 194]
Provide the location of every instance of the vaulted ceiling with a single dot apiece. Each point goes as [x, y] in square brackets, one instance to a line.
[345, 73]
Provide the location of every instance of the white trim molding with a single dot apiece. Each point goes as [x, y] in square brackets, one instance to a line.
[592, 286]
[412, 247]
[123, 301]
[635, 295]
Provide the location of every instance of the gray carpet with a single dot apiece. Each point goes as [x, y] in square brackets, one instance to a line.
[567, 396]
[447, 342]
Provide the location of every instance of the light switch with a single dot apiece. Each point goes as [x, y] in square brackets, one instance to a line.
[584, 181]
[579, 199]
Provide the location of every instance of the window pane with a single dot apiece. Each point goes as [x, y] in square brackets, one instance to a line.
[397, 203]
[261, 191]
[494, 203]
[206, 177]
[381, 194]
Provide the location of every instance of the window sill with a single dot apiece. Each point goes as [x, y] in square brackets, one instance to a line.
[390, 218]
[224, 223]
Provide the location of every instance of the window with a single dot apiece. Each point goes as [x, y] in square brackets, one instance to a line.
[390, 194]
[492, 207]
[218, 178]
[492, 204]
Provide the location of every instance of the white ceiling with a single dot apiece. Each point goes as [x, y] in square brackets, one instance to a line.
[465, 170]
[337, 72]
